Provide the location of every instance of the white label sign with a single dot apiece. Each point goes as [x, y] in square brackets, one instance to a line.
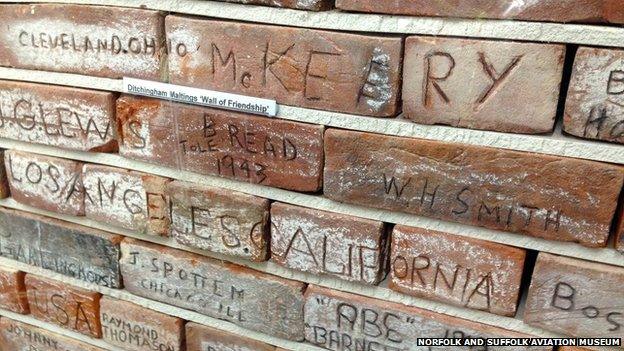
[201, 97]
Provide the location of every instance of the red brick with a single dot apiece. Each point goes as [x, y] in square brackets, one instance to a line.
[203, 338]
[312, 5]
[48, 183]
[239, 146]
[321, 242]
[542, 10]
[13, 291]
[619, 231]
[595, 101]
[128, 199]
[70, 307]
[545, 196]
[251, 299]
[219, 220]
[136, 328]
[576, 298]
[70, 118]
[295, 66]
[18, 336]
[503, 95]
[339, 321]
[4, 180]
[461, 271]
[94, 40]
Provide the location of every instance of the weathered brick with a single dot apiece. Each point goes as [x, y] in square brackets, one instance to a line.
[13, 291]
[131, 200]
[45, 182]
[461, 271]
[576, 297]
[595, 101]
[70, 249]
[219, 220]
[338, 321]
[313, 5]
[482, 84]
[70, 118]
[234, 145]
[4, 180]
[545, 196]
[95, 40]
[218, 289]
[136, 328]
[321, 242]
[541, 10]
[200, 338]
[70, 307]
[619, 231]
[18, 336]
[294, 66]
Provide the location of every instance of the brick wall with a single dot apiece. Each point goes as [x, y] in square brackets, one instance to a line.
[411, 186]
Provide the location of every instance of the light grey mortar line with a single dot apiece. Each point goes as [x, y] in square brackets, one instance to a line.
[381, 292]
[150, 304]
[335, 20]
[554, 144]
[604, 255]
[57, 330]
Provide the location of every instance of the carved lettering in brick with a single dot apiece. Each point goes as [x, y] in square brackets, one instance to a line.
[576, 297]
[240, 295]
[219, 220]
[259, 150]
[131, 200]
[338, 321]
[94, 40]
[595, 100]
[312, 5]
[70, 118]
[545, 196]
[541, 10]
[13, 291]
[18, 336]
[70, 249]
[49, 183]
[322, 242]
[482, 84]
[136, 328]
[461, 271]
[67, 306]
[294, 66]
[202, 338]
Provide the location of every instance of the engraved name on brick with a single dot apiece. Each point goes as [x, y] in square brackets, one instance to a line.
[18, 336]
[342, 321]
[70, 249]
[595, 101]
[94, 40]
[575, 297]
[219, 220]
[70, 118]
[13, 291]
[294, 66]
[70, 307]
[251, 299]
[48, 183]
[202, 338]
[311, 5]
[482, 84]
[136, 328]
[234, 145]
[461, 271]
[545, 196]
[131, 200]
[322, 242]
